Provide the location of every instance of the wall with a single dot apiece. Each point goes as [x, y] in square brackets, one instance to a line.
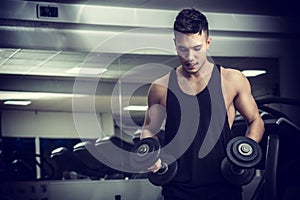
[55, 124]
[289, 78]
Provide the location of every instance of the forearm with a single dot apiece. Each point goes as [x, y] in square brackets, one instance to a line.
[147, 133]
[256, 129]
[154, 119]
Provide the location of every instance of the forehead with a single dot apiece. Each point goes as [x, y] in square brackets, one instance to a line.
[190, 39]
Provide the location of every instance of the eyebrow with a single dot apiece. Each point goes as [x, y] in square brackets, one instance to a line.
[197, 46]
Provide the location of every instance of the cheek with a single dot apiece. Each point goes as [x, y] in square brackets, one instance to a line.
[202, 53]
[199, 55]
[182, 59]
[181, 55]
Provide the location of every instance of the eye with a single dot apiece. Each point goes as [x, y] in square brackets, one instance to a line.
[197, 48]
[182, 49]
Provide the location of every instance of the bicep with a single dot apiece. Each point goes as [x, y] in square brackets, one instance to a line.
[153, 99]
[155, 113]
[244, 101]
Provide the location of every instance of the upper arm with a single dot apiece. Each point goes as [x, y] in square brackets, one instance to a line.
[244, 101]
[246, 105]
[156, 111]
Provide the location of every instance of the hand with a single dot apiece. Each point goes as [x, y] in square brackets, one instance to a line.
[154, 168]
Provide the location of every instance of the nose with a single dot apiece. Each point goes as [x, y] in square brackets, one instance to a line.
[190, 55]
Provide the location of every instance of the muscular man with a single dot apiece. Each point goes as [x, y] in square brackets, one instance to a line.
[199, 80]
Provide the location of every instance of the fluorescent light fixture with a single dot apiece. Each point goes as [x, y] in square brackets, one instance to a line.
[136, 108]
[86, 70]
[8, 95]
[253, 73]
[17, 102]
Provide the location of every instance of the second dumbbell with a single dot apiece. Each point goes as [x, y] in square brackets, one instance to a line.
[145, 154]
[243, 154]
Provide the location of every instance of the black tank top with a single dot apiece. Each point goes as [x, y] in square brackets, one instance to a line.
[196, 133]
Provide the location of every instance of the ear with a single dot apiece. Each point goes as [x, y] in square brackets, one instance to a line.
[208, 41]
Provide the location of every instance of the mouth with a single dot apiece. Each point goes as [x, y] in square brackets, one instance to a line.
[189, 65]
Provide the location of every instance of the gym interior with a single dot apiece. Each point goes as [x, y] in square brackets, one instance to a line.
[81, 70]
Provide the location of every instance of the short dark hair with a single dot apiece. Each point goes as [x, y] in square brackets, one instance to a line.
[192, 21]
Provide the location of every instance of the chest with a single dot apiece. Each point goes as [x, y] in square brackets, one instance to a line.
[193, 88]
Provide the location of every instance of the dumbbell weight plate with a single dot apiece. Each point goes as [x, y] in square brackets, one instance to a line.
[234, 176]
[243, 152]
[164, 177]
[144, 154]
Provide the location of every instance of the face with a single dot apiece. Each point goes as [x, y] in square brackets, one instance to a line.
[192, 50]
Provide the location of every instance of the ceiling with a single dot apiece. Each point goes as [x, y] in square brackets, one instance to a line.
[261, 7]
[37, 52]
[40, 75]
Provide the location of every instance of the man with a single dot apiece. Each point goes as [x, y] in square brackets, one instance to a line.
[211, 86]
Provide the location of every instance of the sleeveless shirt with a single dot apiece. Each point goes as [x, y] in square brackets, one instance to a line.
[187, 129]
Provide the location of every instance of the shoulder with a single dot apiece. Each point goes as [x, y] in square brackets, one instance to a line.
[235, 81]
[161, 83]
[233, 75]
[158, 89]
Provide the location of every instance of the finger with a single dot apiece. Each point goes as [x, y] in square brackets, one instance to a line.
[154, 168]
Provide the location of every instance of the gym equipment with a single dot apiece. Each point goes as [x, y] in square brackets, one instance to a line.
[146, 153]
[136, 136]
[166, 173]
[113, 152]
[66, 161]
[243, 154]
[160, 136]
[105, 148]
[82, 150]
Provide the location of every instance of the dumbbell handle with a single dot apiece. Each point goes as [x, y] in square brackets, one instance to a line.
[163, 169]
[237, 170]
[166, 171]
[235, 174]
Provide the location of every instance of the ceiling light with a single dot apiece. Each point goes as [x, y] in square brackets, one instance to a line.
[253, 73]
[9, 95]
[86, 70]
[17, 102]
[136, 108]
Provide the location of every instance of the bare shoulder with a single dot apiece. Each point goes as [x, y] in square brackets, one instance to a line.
[161, 83]
[158, 91]
[234, 77]
[231, 74]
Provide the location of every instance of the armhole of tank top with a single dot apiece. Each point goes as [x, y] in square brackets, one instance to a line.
[227, 118]
[170, 81]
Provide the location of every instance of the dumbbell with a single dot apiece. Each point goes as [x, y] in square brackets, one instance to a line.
[145, 154]
[243, 154]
